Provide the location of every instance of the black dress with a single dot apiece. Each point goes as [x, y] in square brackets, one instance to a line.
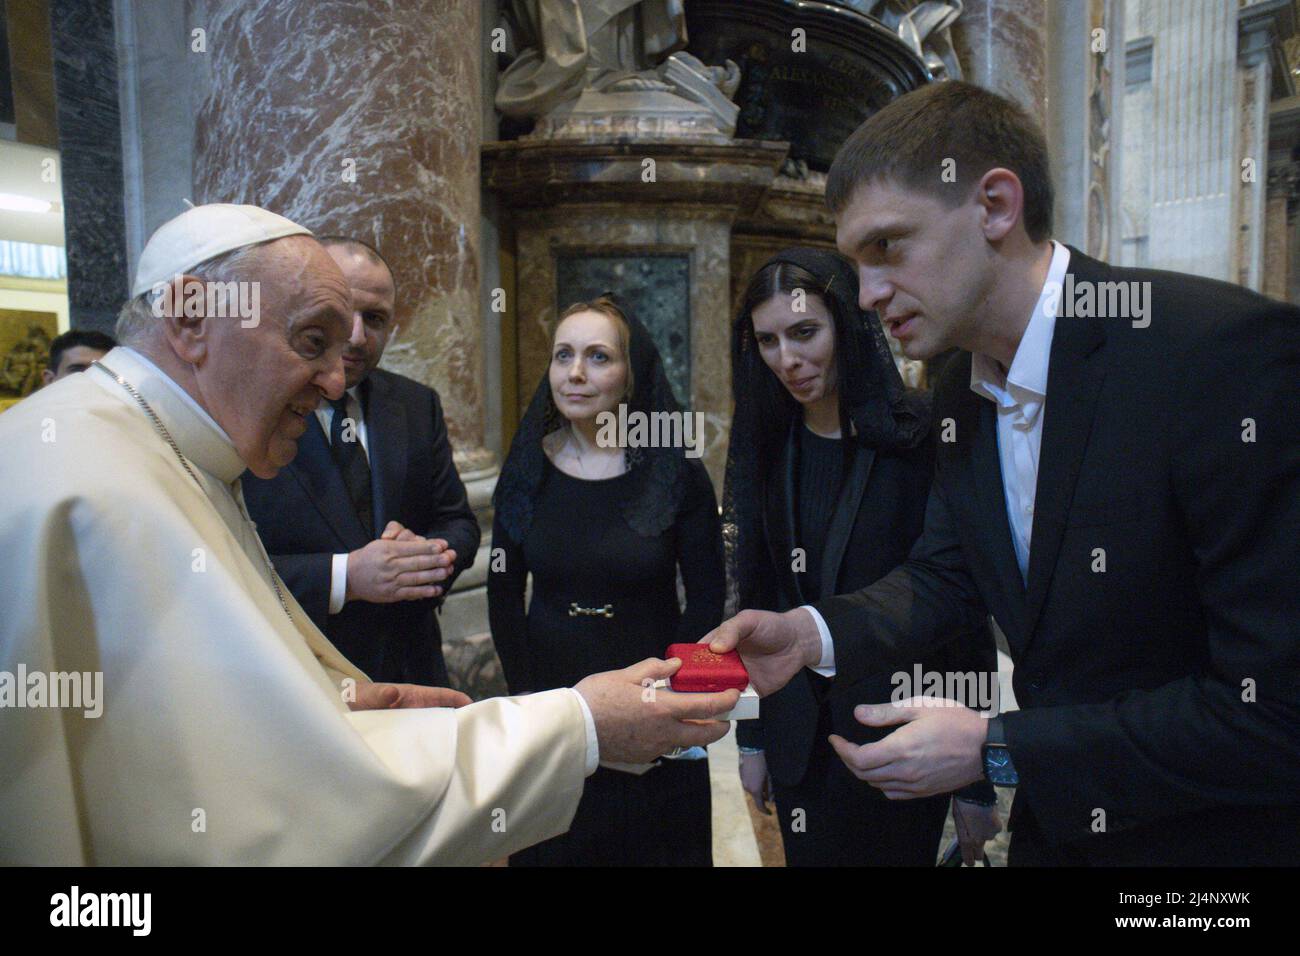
[877, 500]
[583, 556]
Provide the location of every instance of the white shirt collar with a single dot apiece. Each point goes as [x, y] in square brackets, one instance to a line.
[1026, 380]
[195, 432]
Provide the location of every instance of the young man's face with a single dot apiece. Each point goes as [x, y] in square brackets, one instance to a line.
[73, 360]
[924, 266]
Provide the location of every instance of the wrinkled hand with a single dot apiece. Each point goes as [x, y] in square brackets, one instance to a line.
[371, 696]
[773, 646]
[637, 722]
[399, 566]
[755, 779]
[976, 825]
[937, 750]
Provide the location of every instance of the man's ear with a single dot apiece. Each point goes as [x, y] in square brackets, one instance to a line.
[181, 308]
[46, 376]
[1001, 196]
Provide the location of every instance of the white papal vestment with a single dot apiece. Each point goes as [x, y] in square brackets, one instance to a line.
[224, 737]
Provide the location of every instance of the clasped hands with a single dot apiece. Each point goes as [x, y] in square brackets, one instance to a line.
[937, 747]
[399, 565]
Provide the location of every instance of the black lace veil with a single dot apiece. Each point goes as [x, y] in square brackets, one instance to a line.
[876, 409]
[659, 474]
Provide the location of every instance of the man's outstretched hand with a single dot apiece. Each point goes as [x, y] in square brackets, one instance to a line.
[637, 722]
[370, 696]
[773, 646]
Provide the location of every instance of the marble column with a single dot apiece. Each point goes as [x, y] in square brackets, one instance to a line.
[1086, 59]
[1002, 46]
[90, 162]
[364, 119]
[1279, 224]
[1193, 112]
[1261, 28]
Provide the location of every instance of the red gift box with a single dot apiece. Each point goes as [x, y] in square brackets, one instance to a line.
[704, 671]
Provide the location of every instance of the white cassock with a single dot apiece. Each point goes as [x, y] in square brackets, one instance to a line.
[224, 737]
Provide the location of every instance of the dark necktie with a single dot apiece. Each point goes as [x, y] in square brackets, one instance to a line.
[351, 459]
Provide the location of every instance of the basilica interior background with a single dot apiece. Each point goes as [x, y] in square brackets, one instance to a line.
[501, 187]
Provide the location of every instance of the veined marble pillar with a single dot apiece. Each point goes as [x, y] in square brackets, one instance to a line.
[1261, 27]
[364, 119]
[1002, 45]
[1087, 64]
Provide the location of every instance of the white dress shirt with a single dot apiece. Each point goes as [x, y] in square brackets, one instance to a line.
[1020, 394]
[339, 565]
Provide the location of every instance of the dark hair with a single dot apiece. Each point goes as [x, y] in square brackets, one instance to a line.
[75, 338]
[876, 410]
[369, 251]
[910, 139]
[775, 403]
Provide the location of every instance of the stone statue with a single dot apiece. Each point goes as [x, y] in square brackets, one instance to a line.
[594, 69]
[922, 25]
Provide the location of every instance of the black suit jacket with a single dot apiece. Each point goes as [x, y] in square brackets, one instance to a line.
[1157, 645]
[305, 517]
[877, 518]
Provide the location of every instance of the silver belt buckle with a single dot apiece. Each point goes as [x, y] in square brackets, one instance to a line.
[576, 610]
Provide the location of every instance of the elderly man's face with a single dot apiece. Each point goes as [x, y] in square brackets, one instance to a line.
[261, 383]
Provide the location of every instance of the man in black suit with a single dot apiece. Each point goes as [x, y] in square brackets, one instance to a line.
[369, 525]
[1118, 484]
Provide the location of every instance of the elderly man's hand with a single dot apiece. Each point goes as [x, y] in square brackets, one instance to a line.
[404, 567]
[938, 749]
[773, 646]
[637, 722]
[371, 696]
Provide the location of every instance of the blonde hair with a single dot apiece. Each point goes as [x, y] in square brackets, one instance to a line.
[603, 305]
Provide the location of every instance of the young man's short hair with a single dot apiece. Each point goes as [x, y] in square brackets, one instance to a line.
[910, 140]
[360, 245]
[76, 338]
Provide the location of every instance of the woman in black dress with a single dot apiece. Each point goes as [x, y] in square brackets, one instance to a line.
[604, 532]
[828, 472]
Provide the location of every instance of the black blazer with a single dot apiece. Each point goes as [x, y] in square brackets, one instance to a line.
[878, 517]
[305, 517]
[1162, 584]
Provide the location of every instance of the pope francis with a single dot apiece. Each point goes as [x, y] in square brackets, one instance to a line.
[229, 729]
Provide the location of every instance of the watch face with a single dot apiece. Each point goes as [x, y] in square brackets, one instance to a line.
[998, 767]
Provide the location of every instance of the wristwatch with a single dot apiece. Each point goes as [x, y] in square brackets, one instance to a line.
[998, 768]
